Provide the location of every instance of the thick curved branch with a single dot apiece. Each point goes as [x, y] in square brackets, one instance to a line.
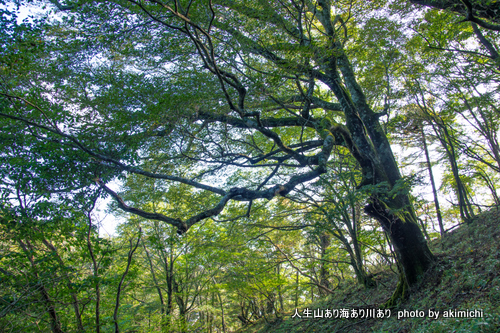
[317, 103]
[182, 226]
[206, 52]
[305, 146]
[235, 193]
[472, 17]
[489, 46]
[268, 15]
[178, 223]
[259, 126]
[338, 139]
[248, 123]
[476, 13]
[303, 160]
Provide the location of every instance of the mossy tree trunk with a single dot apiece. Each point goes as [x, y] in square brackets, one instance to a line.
[396, 215]
[412, 252]
[365, 138]
[413, 255]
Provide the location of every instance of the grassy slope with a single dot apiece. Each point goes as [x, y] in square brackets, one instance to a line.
[466, 276]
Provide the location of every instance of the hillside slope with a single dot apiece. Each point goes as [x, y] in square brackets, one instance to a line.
[465, 277]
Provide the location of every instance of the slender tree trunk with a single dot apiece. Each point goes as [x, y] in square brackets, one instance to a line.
[354, 250]
[433, 184]
[51, 309]
[222, 313]
[55, 324]
[157, 286]
[169, 271]
[324, 241]
[280, 295]
[212, 316]
[129, 261]
[424, 229]
[357, 265]
[96, 276]
[490, 184]
[296, 289]
[353, 232]
[168, 263]
[488, 128]
[182, 305]
[441, 129]
[355, 253]
[69, 284]
[444, 136]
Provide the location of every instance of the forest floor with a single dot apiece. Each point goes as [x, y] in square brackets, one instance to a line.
[466, 276]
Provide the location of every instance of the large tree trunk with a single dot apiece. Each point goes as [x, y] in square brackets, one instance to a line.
[412, 252]
[396, 216]
[413, 255]
[369, 145]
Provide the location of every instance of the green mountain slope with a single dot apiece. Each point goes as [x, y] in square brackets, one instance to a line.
[466, 278]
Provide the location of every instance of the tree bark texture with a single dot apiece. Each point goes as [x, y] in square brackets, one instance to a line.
[413, 254]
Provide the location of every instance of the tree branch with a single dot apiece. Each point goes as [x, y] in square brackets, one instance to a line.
[486, 43]
[78, 144]
[463, 7]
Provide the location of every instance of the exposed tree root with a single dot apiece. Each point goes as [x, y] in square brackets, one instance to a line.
[400, 294]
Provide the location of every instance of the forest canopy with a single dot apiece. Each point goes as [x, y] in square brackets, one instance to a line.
[242, 141]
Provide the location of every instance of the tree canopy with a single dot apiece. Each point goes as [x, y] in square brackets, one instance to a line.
[205, 110]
